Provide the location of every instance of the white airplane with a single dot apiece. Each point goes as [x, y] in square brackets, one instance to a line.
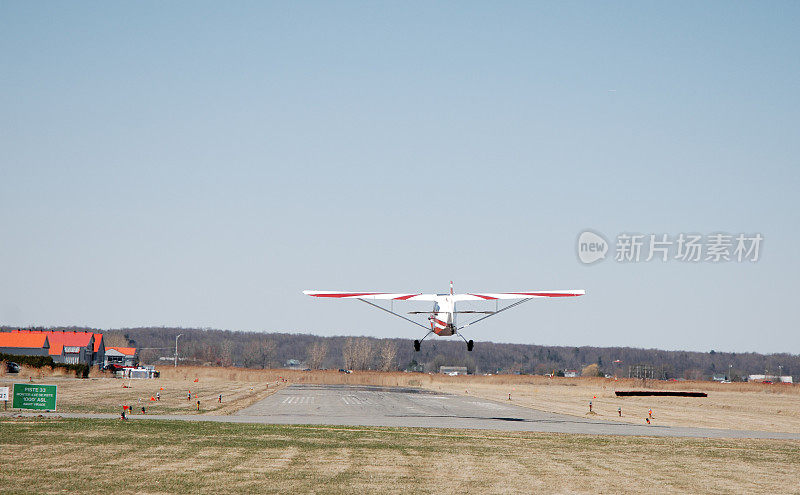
[442, 319]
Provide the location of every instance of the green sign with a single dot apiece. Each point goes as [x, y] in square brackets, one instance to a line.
[30, 396]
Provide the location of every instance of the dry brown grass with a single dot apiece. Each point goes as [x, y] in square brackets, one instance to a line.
[744, 406]
[751, 406]
[102, 393]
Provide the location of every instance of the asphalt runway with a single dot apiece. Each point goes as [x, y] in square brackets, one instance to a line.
[405, 407]
[347, 405]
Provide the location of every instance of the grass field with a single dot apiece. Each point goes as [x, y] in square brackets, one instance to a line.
[741, 406]
[151, 457]
[747, 406]
[103, 394]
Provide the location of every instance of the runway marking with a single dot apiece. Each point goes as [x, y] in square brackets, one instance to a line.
[352, 400]
[294, 399]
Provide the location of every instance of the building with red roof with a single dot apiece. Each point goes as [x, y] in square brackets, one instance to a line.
[69, 346]
[20, 344]
[124, 356]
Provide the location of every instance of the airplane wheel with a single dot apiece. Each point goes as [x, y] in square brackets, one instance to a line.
[469, 345]
[416, 346]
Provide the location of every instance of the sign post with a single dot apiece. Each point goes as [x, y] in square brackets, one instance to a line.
[30, 396]
[4, 397]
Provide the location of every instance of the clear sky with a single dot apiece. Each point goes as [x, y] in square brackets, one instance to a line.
[199, 164]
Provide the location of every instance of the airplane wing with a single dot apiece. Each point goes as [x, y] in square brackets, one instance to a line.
[521, 296]
[491, 296]
[384, 296]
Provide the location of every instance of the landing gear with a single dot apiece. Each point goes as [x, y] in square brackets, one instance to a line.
[470, 343]
[417, 342]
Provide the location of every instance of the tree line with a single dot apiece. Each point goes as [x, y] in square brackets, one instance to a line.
[274, 350]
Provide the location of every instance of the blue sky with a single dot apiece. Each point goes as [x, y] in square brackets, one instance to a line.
[199, 164]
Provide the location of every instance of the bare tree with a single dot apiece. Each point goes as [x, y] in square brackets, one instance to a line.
[388, 356]
[357, 353]
[591, 370]
[364, 352]
[114, 340]
[226, 356]
[267, 352]
[316, 355]
[253, 356]
[348, 353]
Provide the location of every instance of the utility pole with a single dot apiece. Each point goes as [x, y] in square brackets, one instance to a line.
[176, 349]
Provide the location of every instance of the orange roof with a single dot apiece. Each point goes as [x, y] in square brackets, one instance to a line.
[98, 339]
[55, 349]
[68, 338]
[27, 340]
[128, 351]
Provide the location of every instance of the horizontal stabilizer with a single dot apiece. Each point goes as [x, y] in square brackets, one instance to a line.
[454, 312]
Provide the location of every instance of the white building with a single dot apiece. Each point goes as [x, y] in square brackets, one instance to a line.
[770, 378]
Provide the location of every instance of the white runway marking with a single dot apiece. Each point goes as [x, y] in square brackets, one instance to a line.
[294, 399]
[352, 400]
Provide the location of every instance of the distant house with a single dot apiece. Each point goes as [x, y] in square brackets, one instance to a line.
[294, 364]
[453, 370]
[719, 377]
[24, 344]
[123, 356]
[570, 373]
[770, 378]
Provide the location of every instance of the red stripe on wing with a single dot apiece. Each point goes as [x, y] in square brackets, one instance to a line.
[544, 294]
[403, 298]
[482, 296]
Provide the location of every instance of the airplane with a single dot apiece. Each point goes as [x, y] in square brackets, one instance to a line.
[442, 319]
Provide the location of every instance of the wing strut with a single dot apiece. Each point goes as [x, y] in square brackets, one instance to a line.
[398, 315]
[496, 312]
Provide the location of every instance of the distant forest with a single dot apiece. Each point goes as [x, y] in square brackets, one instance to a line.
[275, 350]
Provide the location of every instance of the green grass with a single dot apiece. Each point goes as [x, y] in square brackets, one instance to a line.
[96, 456]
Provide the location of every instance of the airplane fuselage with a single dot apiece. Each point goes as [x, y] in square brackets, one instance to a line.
[443, 317]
